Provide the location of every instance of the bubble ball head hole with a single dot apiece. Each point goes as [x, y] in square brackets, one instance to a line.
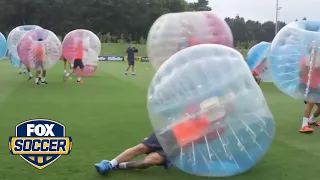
[209, 122]
[295, 60]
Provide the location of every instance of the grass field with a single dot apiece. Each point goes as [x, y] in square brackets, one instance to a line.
[108, 113]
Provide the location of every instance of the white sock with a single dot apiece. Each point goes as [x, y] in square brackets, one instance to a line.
[37, 80]
[79, 78]
[114, 163]
[305, 121]
[312, 119]
[43, 79]
[123, 165]
[30, 74]
[68, 74]
[65, 71]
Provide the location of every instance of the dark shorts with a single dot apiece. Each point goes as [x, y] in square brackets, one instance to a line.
[39, 64]
[131, 62]
[153, 144]
[313, 94]
[78, 63]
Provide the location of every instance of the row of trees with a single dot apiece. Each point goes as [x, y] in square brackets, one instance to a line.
[116, 19]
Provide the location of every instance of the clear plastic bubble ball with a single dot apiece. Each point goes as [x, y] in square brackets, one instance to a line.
[257, 59]
[88, 71]
[13, 39]
[39, 45]
[91, 49]
[173, 32]
[208, 113]
[295, 60]
[15, 62]
[3, 46]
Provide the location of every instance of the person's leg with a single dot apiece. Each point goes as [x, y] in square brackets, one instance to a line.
[127, 69]
[152, 159]
[148, 145]
[130, 154]
[44, 73]
[81, 65]
[132, 66]
[306, 115]
[20, 67]
[38, 75]
[74, 68]
[65, 66]
[29, 72]
[125, 156]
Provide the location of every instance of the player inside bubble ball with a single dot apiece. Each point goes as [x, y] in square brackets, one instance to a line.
[201, 122]
[78, 61]
[39, 63]
[309, 85]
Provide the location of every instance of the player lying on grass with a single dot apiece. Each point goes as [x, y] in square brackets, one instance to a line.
[39, 63]
[309, 86]
[207, 123]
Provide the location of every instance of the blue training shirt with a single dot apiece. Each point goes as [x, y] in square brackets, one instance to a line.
[130, 52]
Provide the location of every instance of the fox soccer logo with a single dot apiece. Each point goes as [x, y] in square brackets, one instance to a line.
[40, 142]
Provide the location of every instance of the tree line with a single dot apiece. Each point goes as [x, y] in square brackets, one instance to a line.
[116, 20]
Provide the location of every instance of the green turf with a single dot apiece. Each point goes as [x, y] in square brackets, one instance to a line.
[108, 113]
[120, 49]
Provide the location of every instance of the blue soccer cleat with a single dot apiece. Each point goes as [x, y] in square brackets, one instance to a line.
[103, 167]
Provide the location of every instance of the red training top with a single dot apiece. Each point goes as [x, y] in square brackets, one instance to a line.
[39, 56]
[79, 51]
[315, 74]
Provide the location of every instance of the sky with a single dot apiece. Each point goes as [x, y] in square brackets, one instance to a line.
[265, 10]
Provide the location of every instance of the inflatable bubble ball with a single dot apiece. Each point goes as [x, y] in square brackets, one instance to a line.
[257, 59]
[13, 39]
[208, 113]
[39, 45]
[295, 60]
[3, 46]
[85, 45]
[173, 32]
[15, 62]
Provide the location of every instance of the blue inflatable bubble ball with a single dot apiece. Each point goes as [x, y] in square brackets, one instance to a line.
[257, 59]
[15, 62]
[208, 113]
[295, 60]
[3, 46]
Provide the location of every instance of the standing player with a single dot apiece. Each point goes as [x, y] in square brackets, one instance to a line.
[130, 52]
[310, 87]
[39, 63]
[78, 61]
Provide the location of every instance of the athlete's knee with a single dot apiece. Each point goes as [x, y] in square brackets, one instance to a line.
[140, 149]
[153, 159]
